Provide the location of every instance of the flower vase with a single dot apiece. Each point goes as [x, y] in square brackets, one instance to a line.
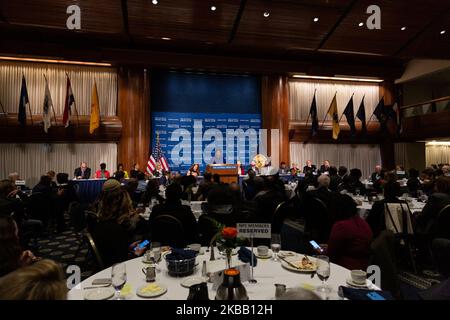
[228, 255]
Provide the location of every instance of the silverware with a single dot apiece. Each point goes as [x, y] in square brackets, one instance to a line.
[98, 286]
[291, 264]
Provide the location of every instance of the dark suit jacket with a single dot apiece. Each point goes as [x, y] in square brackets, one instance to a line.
[308, 169]
[436, 202]
[87, 173]
[375, 176]
[323, 169]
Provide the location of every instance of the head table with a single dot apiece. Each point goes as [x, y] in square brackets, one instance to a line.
[267, 273]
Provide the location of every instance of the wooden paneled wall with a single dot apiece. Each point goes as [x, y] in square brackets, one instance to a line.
[134, 111]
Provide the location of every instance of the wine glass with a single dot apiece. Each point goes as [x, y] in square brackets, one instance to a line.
[357, 192]
[118, 277]
[323, 272]
[275, 245]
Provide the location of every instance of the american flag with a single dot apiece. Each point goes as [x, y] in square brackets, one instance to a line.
[155, 157]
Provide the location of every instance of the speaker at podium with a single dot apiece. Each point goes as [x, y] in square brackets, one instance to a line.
[228, 172]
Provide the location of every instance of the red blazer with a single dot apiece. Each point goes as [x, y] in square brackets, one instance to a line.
[98, 174]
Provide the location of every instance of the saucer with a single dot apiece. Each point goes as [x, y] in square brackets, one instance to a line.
[99, 294]
[190, 281]
[151, 290]
[357, 285]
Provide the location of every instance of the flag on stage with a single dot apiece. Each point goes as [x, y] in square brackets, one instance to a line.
[157, 156]
[361, 115]
[68, 102]
[350, 115]
[333, 112]
[313, 114]
[398, 121]
[381, 114]
[48, 103]
[95, 110]
[23, 103]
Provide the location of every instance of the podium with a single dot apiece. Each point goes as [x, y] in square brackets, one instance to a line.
[228, 172]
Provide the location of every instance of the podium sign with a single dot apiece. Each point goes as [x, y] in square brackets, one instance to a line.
[254, 230]
[228, 172]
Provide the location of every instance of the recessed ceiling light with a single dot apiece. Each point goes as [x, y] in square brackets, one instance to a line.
[213, 8]
[361, 24]
[166, 38]
[155, 2]
[403, 28]
[443, 31]
[266, 14]
[316, 19]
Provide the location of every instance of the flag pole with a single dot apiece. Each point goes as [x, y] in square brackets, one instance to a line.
[29, 104]
[326, 115]
[53, 109]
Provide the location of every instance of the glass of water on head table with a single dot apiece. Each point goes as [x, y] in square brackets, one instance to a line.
[275, 245]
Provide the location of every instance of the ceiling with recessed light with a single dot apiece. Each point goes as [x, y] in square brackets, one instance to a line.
[409, 29]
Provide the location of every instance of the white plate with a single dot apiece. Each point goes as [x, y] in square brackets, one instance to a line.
[285, 254]
[268, 256]
[153, 293]
[354, 284]
[99, 294]
[285, 265]
[190, 281]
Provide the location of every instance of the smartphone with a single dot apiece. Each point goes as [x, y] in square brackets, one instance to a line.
[315, 245]
[142, 245]
[375, 296]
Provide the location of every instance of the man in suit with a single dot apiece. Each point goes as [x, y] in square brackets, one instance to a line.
[309, 167]
[377, 174]
[83, 172]
[325, 167]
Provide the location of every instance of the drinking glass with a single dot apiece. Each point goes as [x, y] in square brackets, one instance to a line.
[156, 250]
[323, 272]
[357, 192]
[275, 245]
[118, 277]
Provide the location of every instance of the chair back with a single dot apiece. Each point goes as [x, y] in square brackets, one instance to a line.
[280, 214]
[40, 206]
[441, 254]
[93, 247]
[168, 230]
[77, 216]
[317, 224]
[398, 218]
[443, 223]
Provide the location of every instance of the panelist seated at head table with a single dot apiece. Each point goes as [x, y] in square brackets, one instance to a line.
[83, 172]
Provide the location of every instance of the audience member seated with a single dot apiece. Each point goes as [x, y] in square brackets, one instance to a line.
[194, 170]
[400, 171]
[342, 172]
[151, 195]
[335, 179]
[14, 177]
[375, 218]
[350, 237]
[173, 207]
[426, 221]
[119, 226]
[353, 183]
[377, 174]
[102, 173]
[135, 171]
[446, 170]
[427, 178]
[204, 187]
[52, 176]
[283, 168]
[269, 198]
[44, 185]
[65, 195]
[322, 192]
[130, 188]
[12, 256]
[43, 280]
[325, 167]
[413, 183]
[309, 167]
[142, 183]
[41, 203]
[120, 171]
[83, 172]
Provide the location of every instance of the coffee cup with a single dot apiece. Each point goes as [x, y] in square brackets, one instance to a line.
[359, 276]
[195, 247]
[262, 250]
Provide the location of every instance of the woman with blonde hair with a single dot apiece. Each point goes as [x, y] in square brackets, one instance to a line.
[43, 280]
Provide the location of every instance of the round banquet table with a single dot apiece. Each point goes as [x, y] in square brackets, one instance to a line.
[267, 273]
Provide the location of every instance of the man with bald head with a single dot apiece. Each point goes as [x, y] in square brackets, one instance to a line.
[377, 174]
[83, 172]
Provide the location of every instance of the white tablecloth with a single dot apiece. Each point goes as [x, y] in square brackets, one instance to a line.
[267, 273]
[365, 206]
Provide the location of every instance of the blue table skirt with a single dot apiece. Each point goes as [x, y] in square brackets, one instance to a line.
[88, 190]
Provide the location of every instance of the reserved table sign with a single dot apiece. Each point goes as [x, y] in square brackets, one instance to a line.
[255, 230]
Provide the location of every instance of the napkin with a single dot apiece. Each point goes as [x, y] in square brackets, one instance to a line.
[364, 294]
[245, 256]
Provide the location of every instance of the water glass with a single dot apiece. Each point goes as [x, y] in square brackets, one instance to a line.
[118, 278]
[275, 245]
[323, 272]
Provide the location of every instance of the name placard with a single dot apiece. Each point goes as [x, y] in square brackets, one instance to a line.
[255, 230]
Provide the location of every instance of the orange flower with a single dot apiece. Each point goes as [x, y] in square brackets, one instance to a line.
[229, 233]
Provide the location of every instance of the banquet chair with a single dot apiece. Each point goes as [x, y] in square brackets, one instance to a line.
[40, 207]
[441, 255]
[280, 214]
[443, 223]
[317, 225]
[168, 230]
[93, 248]
[398, 220]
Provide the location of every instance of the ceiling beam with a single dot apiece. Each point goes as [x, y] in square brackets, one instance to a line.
[341, 18]
[237, 21]
[126, 26]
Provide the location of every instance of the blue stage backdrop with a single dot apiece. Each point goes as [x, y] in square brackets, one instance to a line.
[197, 114]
